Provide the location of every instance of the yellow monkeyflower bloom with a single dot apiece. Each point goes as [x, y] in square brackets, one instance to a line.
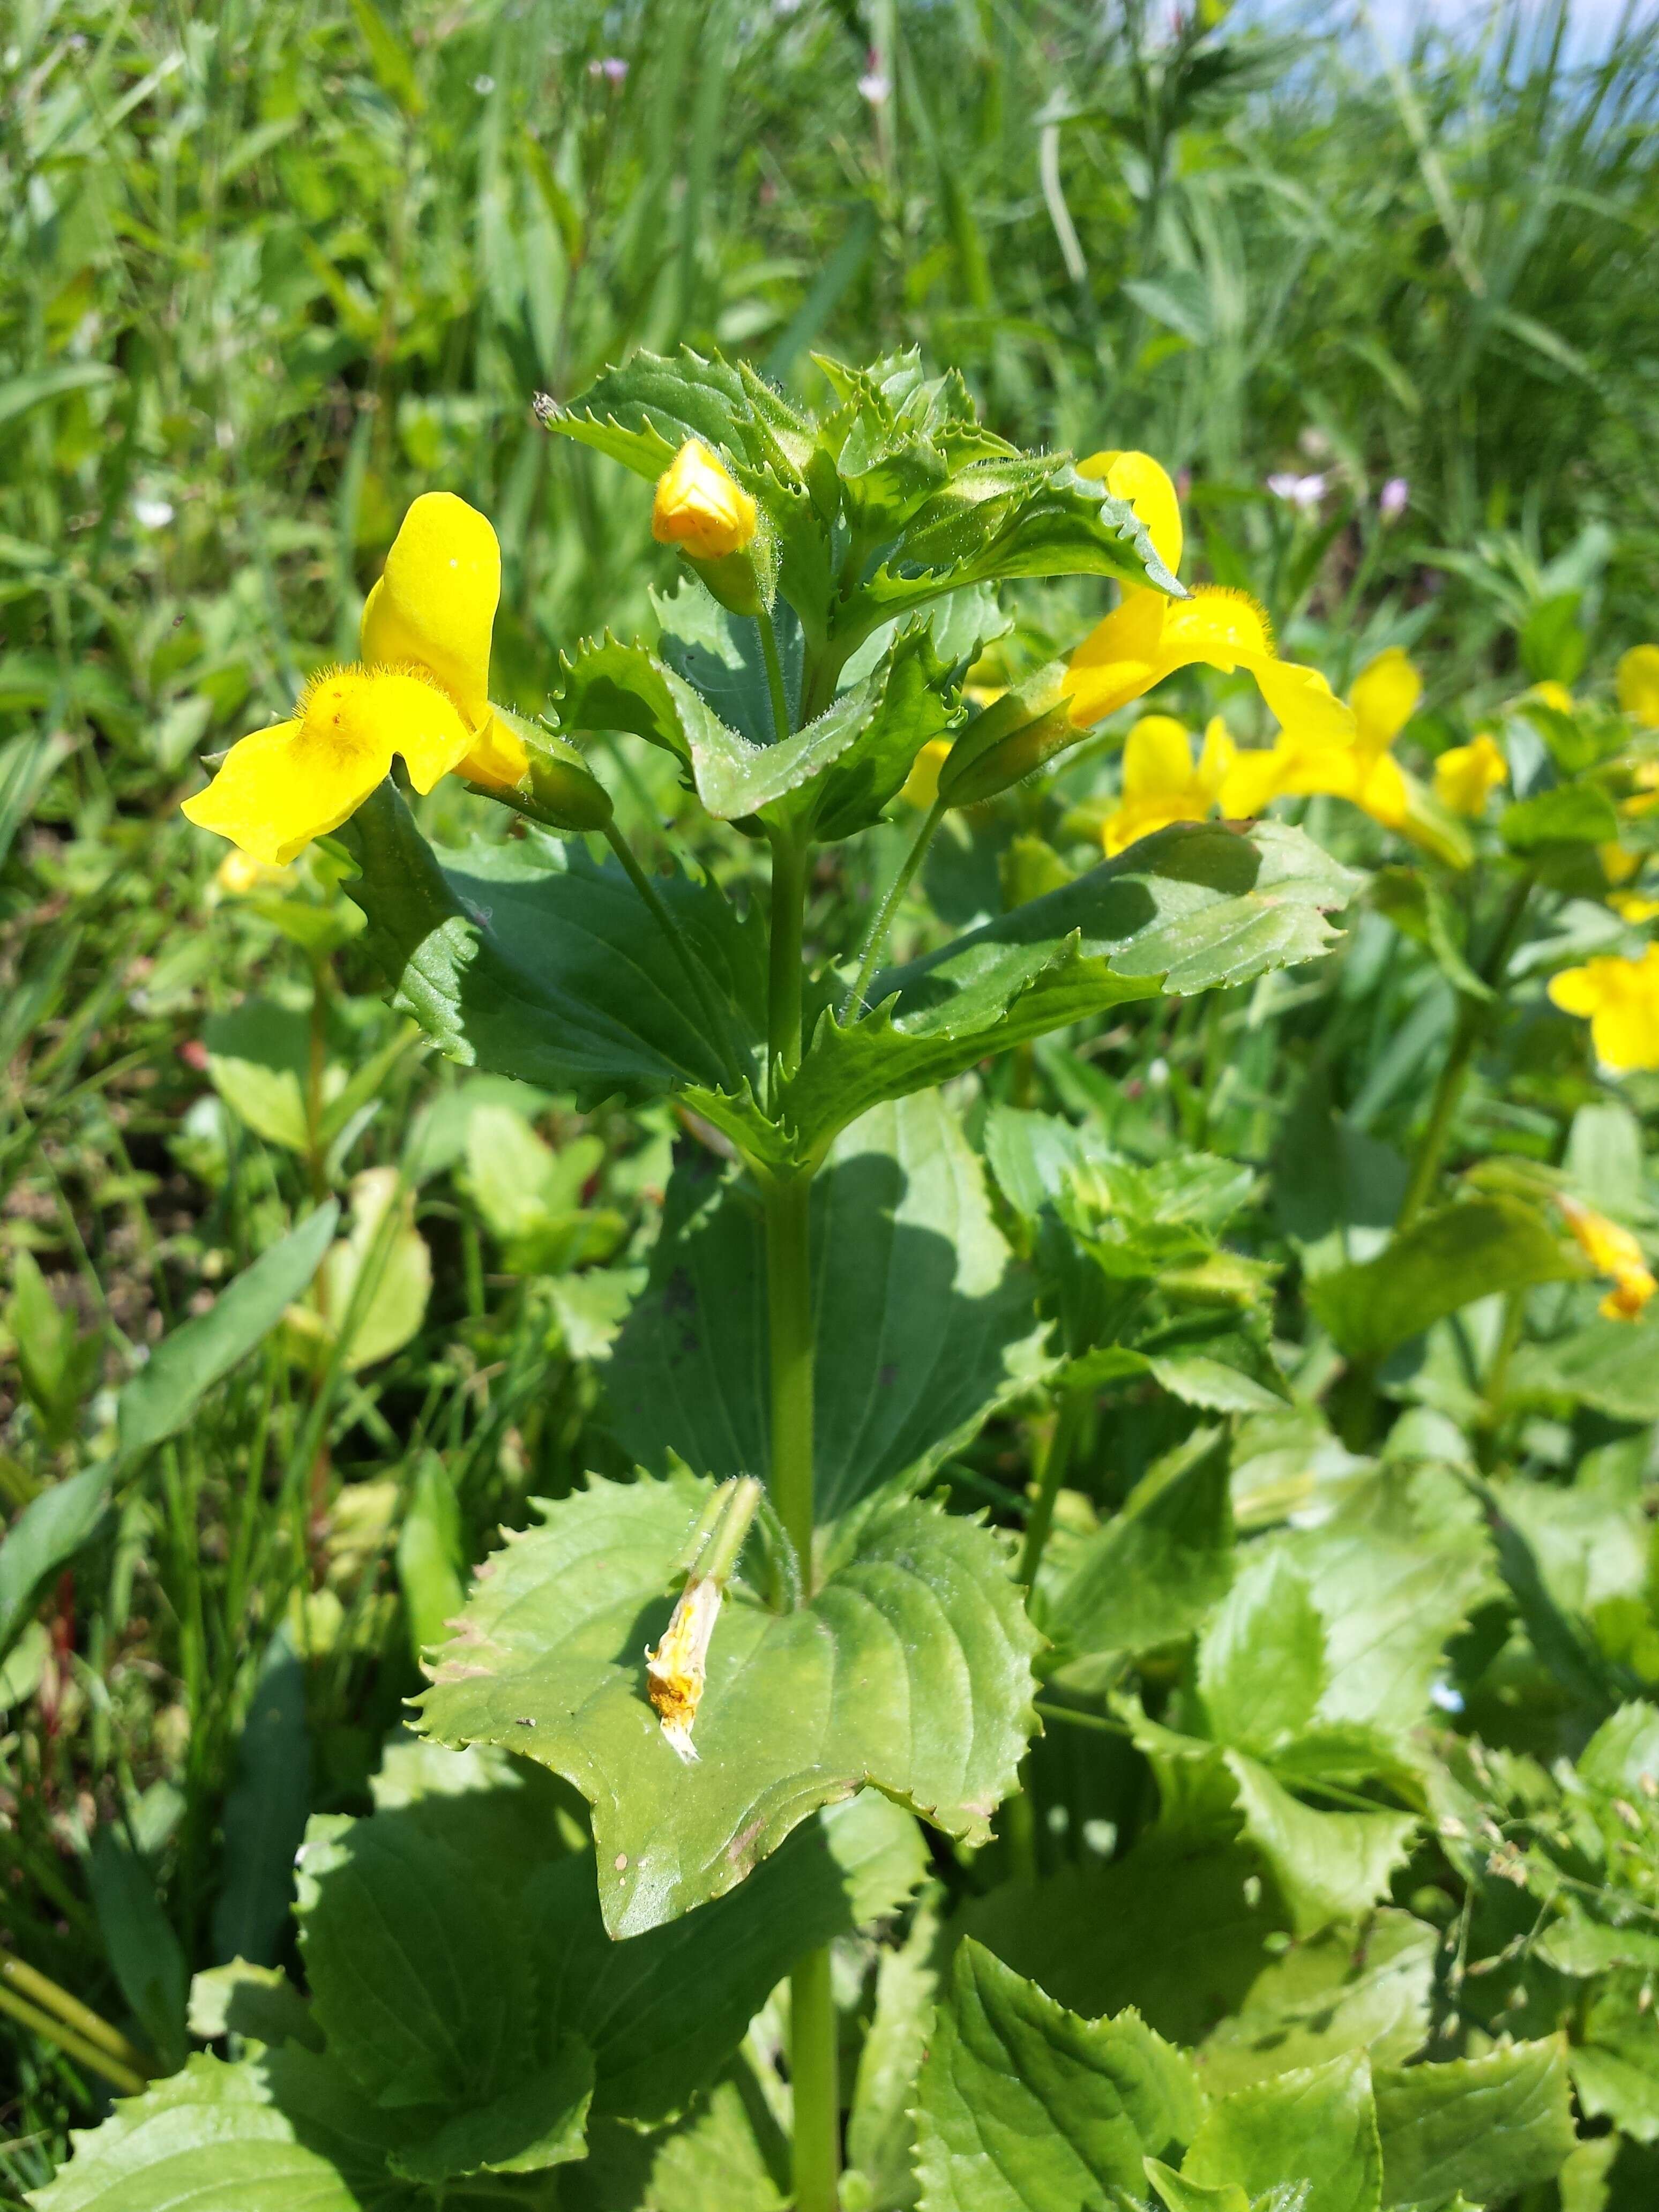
[921, 785]
[1611, 1250]
[1638, 685]
[1620, 1001]
[1360, 767]
[1148, 637]
[421, 690]
[700, 508]
[1465, 776]
[1619, 864]
[1633, 907]
[1549, 692]
[1161, 783]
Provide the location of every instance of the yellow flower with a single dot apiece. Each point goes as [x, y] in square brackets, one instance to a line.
[921, 785]
[1465, 776]
[236, 875]
[1633, 907]
[1358, 767]
[1161, 784]
[421, 690]
[1618, 865]
[1148, 637]
[1551, 694]
[1638, 685]
[1611, 1250]
[699, 507]
[1620, 1000]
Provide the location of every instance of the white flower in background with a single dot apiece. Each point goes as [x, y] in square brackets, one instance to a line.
[1394, 499]
[152, 513]
[873, 85]
[1301, 492]
[613, 68]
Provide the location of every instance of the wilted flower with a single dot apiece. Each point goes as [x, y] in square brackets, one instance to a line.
[1394, 499]
[677, 1670]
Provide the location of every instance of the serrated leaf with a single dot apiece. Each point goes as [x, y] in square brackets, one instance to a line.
[1489, 2127]
[1187, 909]
[1175, 1928]
[1021, 2101]
[1261, 1659]
[1315, 2128]
[1443, 1262]
[643, 413]
[1328, 1865]
[277, 2134]
[923, 1324]
[881, 2124]
[515, 963]
[1156, 1569]
[663, 2012]
[549, 1661]
[1364, 1987]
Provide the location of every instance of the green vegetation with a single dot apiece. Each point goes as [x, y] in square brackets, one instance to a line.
[1187, 1313]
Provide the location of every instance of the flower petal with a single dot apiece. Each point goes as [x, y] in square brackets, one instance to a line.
[1145, 485]
[1158, 759]
[434, 606]
[391, 711]
[1119, 659]
[1638, 685]
[281, 788]
[1384, 698]
[497, 756]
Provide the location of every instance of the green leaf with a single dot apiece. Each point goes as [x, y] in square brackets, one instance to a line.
[1357, 1988]
[374, 1283]
[1489, 2127]
[720, 657]
[1571, 814]
[540, 2121]
[42, 1540]
[431, 1556]
[723, 2157]
[1156, 1569]
[257, 2002]
[162, 1397]
[259, 1059]
[272, 2134]
[27, 763]
[549, 1661]
[518, 961]
[1328, 1866]
[1608, 1365]
[923, 1325]
[143, 1950]
[1175, 1928]
[1179, 2194]
[881, 2123]
[18, 394]
[902, 707]
[265, 1810]
[664, 2012]
[1021, 2101]
[1261, 1659]
[1190, 908]
[1443, 1262]
[1317, 2127]
[643, 413]
[1615, 2060]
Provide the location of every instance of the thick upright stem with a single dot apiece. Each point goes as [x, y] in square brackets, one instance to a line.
[812, 2037]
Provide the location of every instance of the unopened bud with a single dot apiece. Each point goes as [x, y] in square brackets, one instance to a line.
[1017, 733]
[700, 507]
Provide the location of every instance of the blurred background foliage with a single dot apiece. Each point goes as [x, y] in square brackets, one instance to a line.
[267, 270]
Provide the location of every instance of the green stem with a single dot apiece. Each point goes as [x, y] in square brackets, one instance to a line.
[812, 2075]
[1471, 1021]
[768, 638]
[712, 1013]
[1069, 1419]
[784, 984]
[76, 2046]
[896, 890]
[812, 2041]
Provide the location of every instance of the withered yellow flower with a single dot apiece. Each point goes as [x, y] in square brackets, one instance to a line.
[700, 507]
[1620, 1001]
[421, 690]
[1148, 637]
[1611, 1250]
[1465, 776]
[677, 1669]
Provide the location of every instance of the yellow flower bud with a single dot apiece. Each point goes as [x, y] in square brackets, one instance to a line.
[700, 508]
